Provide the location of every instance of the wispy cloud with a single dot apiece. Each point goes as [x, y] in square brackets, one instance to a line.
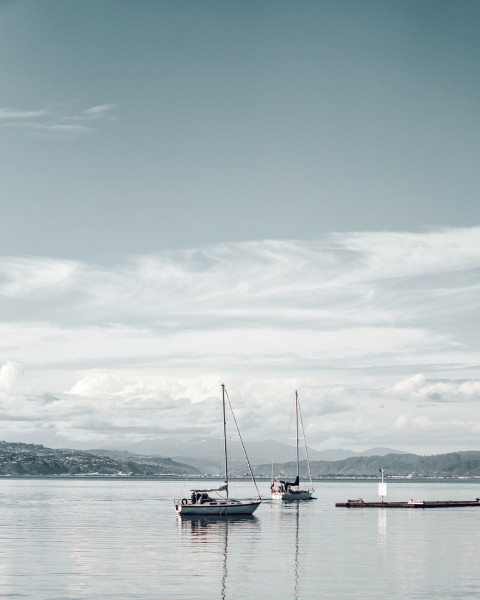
[58, 121]
[9, 114]
[20, 276]
[290, 301]
[334, 284]
[100, 111]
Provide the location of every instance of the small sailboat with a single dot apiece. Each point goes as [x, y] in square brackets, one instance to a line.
[201, 503]
[291, 490]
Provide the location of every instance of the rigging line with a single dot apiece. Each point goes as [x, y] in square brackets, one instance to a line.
[306, 447]
[243, 446]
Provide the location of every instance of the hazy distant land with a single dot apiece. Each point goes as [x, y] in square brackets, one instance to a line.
[17, 459]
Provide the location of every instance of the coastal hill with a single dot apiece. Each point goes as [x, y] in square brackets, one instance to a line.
[36, 460]
[19, 459]
[454, 464]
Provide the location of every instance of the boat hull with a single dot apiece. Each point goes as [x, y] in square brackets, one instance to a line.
[221, 508]
[289, 496]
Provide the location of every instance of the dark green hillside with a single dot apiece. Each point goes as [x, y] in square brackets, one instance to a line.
[36, 460]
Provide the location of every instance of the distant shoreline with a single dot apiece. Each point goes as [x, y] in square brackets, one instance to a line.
[392, 479]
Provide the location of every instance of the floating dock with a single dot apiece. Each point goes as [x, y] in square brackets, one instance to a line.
[410, 504]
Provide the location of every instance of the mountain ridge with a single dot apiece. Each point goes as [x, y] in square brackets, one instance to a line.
[207, 453]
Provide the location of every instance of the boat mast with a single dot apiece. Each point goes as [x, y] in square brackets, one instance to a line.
[306, 447]
[243, 445]
[225, 437]
[296, 415]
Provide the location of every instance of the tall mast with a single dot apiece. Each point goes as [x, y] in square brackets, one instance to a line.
[306, 447]
[296, 415]
[225, 437]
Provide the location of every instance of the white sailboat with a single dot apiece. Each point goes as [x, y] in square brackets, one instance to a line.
[201, 503]
[291, 490]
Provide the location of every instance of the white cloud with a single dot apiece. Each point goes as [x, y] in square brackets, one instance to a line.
[338, 319]
[10, 373]
[408, 386]
[470, 389]
[401, 422]
[97, 385]
[419, 388]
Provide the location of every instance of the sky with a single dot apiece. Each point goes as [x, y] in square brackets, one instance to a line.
[272, 195]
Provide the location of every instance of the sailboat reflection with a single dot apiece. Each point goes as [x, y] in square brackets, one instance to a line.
[209, 526]
[289, 512]
[216, 530]
[297, 523]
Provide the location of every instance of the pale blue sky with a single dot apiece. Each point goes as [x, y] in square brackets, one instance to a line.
[274, 195]
[234, 121]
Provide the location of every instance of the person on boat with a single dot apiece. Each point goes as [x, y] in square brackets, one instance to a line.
[288, 484]
[281, 488]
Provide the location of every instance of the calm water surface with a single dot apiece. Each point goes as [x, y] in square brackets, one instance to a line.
[98, 539]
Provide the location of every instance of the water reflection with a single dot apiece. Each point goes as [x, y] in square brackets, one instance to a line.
[293, 541]
[382, 527]
[217, 531]
[297, 522]
[204, 526]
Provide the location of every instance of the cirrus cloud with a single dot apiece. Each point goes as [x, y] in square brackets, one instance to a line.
[59, 121]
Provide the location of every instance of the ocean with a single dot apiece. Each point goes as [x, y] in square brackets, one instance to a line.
[99, 539]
